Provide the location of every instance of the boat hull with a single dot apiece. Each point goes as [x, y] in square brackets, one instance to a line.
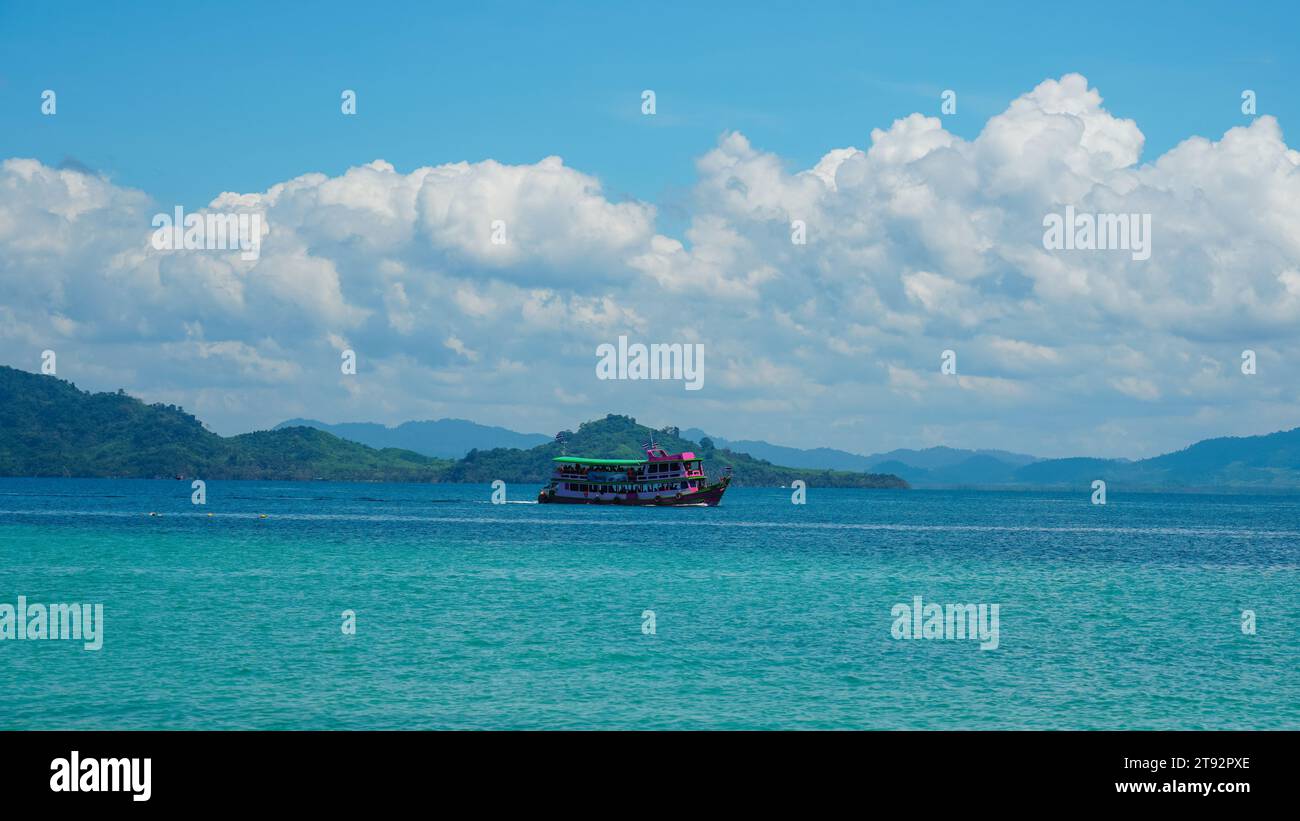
[710, 496]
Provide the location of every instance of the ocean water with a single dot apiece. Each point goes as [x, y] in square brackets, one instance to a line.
[766, 614]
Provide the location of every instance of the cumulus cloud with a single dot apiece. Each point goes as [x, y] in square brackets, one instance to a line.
[918, 242]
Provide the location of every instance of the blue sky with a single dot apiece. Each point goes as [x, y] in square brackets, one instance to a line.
[925, 229]
[184, 102]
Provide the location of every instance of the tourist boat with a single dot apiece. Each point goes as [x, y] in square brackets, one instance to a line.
[661, 478]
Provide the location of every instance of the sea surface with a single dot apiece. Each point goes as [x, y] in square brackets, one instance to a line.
[766, 614]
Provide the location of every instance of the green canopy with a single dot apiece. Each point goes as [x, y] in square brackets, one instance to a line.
[583, 460]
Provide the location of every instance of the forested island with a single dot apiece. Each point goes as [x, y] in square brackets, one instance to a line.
[49, 427]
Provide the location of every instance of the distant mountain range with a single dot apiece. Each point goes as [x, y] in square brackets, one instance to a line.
[931, 467]
[49, 428]
[442, 438]
[1268, 462]
[1264, 462]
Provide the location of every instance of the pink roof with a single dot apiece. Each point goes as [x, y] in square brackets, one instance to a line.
[684, 456]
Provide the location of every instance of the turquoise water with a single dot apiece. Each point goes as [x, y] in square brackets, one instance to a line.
[767, 614]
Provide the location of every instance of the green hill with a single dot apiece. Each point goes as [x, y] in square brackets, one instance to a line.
[50, 428]
[1270, 462]
[620, 437]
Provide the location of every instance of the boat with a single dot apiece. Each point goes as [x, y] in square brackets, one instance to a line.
[660, 479]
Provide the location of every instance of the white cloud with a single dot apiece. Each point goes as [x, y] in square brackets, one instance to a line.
[918, 242]
[1143, 389]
